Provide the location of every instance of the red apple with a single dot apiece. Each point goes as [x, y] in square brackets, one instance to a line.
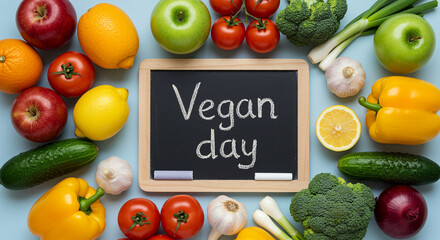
[46, 24]
[39, 114]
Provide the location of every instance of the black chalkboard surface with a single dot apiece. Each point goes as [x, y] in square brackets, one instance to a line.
[212, 125]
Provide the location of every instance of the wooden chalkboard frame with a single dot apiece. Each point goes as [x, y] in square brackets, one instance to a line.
[148, 184]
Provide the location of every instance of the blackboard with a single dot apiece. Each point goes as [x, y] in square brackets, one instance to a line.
[220, 123]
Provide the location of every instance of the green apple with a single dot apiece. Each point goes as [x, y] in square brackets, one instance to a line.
[404, 43]
[180, 26]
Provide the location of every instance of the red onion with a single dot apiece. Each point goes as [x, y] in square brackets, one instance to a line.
[400, 211]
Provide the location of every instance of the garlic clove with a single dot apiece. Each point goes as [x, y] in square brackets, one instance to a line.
[214, 235]
[114, 175]
[345, 77]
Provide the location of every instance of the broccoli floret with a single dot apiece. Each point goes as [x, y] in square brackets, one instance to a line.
[338, 8]
[332, 209]
[311, 22]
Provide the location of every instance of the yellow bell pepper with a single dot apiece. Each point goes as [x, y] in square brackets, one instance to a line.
[253, 233]
[402, 110]
[69, 211]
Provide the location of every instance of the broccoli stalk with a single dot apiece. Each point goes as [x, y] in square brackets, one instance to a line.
[380, 11]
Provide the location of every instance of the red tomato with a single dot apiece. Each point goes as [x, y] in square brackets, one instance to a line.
[71, 74]
[226, 7]
[262, 8]
[160, 237]
[182, 217]
[139, 219]
[228, 34]
[262, 36]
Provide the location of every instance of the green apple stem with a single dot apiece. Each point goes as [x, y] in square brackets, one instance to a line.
[2, 59]
[180, 16]
[414, 39]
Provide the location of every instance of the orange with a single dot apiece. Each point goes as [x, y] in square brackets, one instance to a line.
[20, 66]
[108, 36]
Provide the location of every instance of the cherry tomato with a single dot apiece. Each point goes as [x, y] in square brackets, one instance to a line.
[262, 35]
[228, 34]
[262, 8]
[139, 219]
[226, 7]
[182, 217]
[160, 237]
[71, 74]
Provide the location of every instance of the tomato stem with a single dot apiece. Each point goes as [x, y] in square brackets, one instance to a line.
[2, 59]
[260, 24]
[250, 15]
[233, 3]
[67, 71]
[231, 22]
[241, 9]
[181, 217]
[139, 219]
[259, 1]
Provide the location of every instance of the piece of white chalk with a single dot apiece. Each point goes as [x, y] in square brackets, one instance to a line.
[274, 176]
[173, 175]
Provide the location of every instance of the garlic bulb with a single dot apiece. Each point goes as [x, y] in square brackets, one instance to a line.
[226, 216]
[114, 175]
[345, 77]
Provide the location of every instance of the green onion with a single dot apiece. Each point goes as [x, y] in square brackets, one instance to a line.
[270, 207]
[264, 221]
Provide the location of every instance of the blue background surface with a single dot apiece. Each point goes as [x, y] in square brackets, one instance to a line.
[15, 205]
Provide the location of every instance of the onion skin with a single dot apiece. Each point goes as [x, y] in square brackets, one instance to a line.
[401, 211]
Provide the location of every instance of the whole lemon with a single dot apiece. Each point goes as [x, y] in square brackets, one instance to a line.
[101, 112]
[108, 36]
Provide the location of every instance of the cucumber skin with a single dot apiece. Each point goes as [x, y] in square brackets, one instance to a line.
[47, 162]
[401, 168]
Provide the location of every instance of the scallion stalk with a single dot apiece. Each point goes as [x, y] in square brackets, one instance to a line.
[338, 49]
[271, 208]
[264, 221]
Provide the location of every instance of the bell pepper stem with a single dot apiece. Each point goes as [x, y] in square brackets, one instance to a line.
[85, 203]
[370, 106]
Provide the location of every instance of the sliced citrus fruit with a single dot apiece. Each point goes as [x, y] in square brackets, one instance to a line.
[338, 128]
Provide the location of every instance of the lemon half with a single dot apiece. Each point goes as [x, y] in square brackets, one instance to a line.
[338, 128]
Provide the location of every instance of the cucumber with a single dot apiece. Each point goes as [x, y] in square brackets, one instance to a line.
[401, 168]
[46, 162]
